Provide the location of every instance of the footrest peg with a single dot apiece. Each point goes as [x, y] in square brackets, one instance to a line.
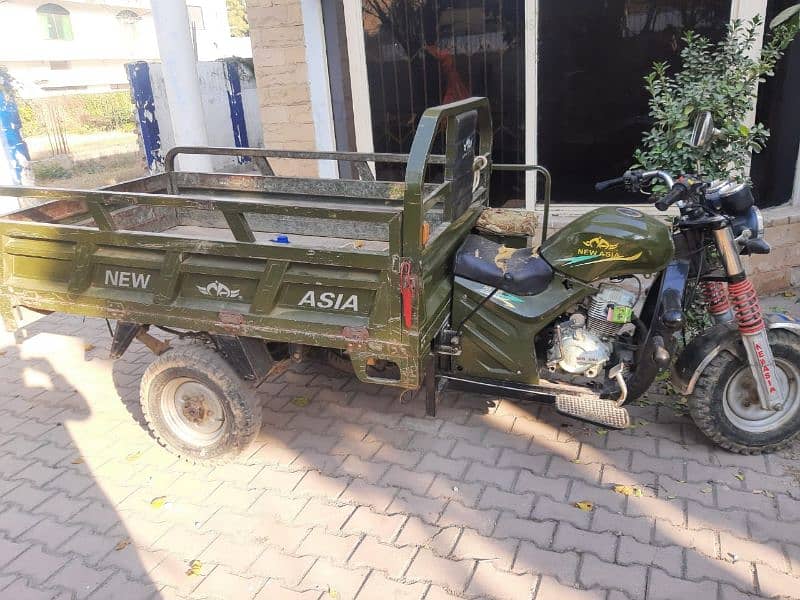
[594, 410]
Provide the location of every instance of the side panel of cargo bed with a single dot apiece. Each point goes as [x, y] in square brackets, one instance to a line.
[316, 296]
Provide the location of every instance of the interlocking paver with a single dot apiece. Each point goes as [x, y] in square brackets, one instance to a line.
[335, 546]
[664, 587]
[384, 527]
[539, 561]
[481, 520]
[344, 581]
[520, 504]
[630, 579]
[489, 581]
[450, 574]
[278, 565]
[571, 538]
[500, 553]
[358, 494]
[379, 586]
[376, 555]
[455, 489]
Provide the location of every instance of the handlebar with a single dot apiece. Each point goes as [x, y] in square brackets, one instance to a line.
[671, 197]
[608, 183]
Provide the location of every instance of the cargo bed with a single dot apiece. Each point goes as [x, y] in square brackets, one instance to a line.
[200, 251]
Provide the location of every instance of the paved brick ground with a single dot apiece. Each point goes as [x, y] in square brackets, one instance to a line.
[358, 496]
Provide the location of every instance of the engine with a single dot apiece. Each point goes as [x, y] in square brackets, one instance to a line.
[584, 343]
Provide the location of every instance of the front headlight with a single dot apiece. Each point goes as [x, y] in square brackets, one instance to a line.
[753, 220]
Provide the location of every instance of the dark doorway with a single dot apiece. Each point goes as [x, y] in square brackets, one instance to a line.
[428, 52]
[592, 104]
[773, 170]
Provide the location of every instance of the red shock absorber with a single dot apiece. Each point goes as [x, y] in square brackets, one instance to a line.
[716, 297]
[744, 299]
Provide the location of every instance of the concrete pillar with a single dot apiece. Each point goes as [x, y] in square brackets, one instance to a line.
[179, 66]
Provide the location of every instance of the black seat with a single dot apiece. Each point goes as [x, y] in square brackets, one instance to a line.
[516, 271]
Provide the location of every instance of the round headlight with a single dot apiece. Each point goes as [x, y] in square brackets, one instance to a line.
[758, 219]
[753, 220]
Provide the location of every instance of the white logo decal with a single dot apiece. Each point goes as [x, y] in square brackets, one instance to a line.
[468, 144]
[127, 279]
[329, 300]
[218, 290]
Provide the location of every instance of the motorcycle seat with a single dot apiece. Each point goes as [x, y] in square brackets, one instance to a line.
[518, 271]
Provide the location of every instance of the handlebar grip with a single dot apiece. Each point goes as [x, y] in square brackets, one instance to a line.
[609, 183]
[676, 193]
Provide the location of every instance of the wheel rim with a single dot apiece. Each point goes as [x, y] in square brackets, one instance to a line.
[192, 411]
[740, 399]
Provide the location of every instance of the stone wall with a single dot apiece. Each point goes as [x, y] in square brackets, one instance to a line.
[780, 269]
[279, 57]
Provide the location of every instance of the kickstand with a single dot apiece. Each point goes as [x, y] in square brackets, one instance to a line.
[430, 387]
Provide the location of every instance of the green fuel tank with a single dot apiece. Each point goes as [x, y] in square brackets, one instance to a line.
[610, 242]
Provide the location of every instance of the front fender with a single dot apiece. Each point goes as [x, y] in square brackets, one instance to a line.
[696, 356]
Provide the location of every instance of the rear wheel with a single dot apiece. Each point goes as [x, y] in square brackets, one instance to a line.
[725, 405]
[197, 407]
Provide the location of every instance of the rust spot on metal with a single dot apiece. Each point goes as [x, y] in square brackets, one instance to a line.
[355, 334]
[230, 318]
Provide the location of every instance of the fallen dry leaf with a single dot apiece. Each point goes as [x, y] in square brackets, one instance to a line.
[584, 505]
[628, 490]
[158, 501]
[134, 456]
[739, 476]
[195, 567]
[2, 352]
[358, 244]
[88, 347]
[77, 460]
[789, 294]
[122, 544]
[301, 401]
[705, 490]
[766, 493]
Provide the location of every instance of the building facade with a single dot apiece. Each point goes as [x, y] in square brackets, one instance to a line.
[564, 80]
[53, 48]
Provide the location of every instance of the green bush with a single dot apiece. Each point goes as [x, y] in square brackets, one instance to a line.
[78, 113]
[719, 77]
[48, 171]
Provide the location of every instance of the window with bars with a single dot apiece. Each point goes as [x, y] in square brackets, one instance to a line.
[421, 53]
[54, 22]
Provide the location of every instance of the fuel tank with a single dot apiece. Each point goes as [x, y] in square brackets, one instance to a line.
[610, 242]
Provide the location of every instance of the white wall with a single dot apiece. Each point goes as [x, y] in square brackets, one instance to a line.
[101, 44]
[214, 91]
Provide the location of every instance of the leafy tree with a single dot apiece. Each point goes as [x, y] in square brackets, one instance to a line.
[237, 18]
[719, 77]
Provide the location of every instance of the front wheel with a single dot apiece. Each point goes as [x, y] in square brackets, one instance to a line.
[197, 407]
[725, 406]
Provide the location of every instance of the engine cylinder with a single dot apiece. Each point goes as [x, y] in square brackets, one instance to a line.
[610, 309]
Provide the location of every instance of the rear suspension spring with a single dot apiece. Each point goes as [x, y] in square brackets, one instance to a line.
[744, 299]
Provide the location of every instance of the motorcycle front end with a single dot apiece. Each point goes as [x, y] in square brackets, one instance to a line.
[742, 375]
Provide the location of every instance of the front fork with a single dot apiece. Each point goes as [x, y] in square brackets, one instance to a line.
[742, 304]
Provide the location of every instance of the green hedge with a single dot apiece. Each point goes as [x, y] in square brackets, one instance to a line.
[79, 113]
